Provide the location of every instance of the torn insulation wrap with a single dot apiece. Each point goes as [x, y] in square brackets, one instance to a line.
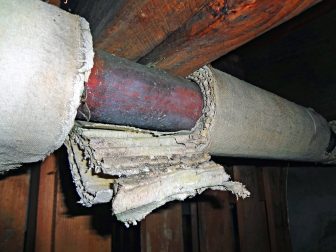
[46, 55]
[137, 196]
[141, 170]
[145, 169]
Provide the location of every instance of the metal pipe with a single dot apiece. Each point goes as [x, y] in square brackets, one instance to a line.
[248, 121]
[122, 92]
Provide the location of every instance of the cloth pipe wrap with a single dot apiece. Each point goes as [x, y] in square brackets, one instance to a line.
[148, 168]
[45, 56]
[253, 123]
[248, 121]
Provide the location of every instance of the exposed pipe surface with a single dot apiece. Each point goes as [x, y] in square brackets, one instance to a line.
[249, 121]
[122, 92]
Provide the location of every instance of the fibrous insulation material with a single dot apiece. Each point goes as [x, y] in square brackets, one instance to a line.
[253, 123]
[140, 170]
[45, 56]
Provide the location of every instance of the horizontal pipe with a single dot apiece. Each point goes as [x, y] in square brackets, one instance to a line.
[248, 121]
[253, 123]
[126, 93]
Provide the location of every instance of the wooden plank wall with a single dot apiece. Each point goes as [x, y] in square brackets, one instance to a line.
[163, 230]
[14, 194]
[215, 217]
[252, 213]
[62, 223]
[52, 220]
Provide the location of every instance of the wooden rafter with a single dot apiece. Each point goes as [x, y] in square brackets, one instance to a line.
[219, 28]
[182, 36]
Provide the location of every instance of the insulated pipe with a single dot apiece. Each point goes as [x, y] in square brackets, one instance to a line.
[122, 92]
[251, 122]
[45, 56]
[248, 121]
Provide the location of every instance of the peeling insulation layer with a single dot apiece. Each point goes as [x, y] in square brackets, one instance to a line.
[46, 55]
[141, 170]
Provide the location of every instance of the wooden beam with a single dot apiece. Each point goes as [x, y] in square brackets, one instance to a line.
[295, 56]
[162, 230]
[132, 28]
[99, 13]
[251, 212]
[14, 193]
[215, 222]
[141, 25]
[125, 238]
[62, 223]
[76, 227]
[55, 2]
[275, 184]
[194, 227]
[217, 29]
[46, 205]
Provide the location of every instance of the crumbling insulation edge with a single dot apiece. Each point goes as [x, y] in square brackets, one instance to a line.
[85, 58]
[136, 159]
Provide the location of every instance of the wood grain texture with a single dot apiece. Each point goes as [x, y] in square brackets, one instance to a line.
[194, 226]
[161, 231]
[275, 184]
[142, 25]
[251, 212]
[218, 28]
[55, 2]
[295, 56]
[215, 222]
[137, 26]
[74, 234]
[125, 239]
[14, 191]
[76, 227]
[46, 205]
[99, 13]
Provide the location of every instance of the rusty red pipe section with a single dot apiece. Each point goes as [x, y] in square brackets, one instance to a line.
[122, 92]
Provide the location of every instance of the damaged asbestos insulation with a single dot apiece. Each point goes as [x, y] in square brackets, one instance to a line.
[46, 56]
[140, 170]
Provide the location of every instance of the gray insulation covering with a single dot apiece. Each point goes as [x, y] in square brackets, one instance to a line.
[45, 56]
[251, 122]
[140, 170]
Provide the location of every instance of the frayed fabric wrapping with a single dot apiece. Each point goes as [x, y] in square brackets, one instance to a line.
[145, 169]
[140, 170]
[45, 56]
